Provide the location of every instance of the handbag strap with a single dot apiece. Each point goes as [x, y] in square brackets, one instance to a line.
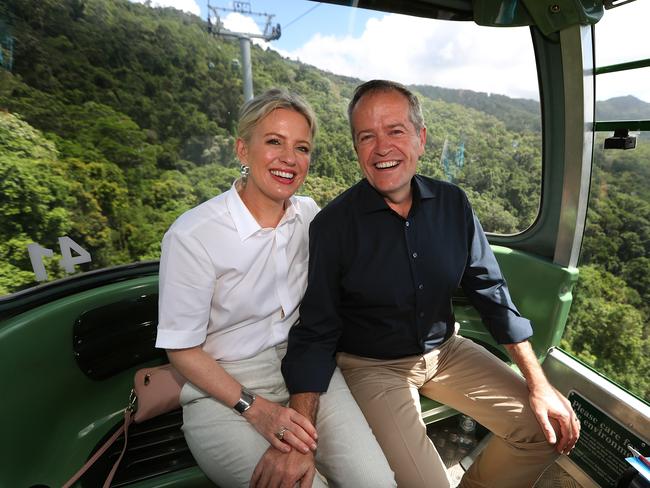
[124, 428]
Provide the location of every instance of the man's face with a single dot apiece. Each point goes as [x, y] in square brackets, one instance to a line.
[387, 143]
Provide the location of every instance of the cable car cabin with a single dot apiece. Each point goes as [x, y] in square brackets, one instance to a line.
[117, 117]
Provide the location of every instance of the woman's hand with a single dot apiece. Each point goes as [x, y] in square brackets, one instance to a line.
[273, 421]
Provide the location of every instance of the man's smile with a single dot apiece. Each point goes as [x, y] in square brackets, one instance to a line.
[386, 164]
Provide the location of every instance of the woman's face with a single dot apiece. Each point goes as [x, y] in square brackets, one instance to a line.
[278, 155]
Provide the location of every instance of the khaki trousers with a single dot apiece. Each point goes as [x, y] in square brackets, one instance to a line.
[468, 378]
[227, 447]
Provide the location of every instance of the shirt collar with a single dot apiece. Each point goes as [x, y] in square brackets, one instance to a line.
[243, 219]
[372, 200]
[425, 191]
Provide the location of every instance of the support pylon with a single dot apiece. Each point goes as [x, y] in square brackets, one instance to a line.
[271, 33]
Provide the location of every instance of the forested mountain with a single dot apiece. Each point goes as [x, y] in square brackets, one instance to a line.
[117, 117]
[151, 98]
[622, 108]
[516, 113]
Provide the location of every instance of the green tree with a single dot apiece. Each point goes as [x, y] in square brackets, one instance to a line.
[33, 200]
[606, 330]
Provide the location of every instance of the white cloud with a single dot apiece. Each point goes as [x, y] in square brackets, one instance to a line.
[185, 5]
[622, 36]
[421, 51]
[464, 55]
[236, 22]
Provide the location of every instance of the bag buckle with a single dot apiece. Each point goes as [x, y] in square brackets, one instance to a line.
[133, 398]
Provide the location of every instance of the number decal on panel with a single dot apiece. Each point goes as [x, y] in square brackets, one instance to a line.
[36, 255]
[67, 262]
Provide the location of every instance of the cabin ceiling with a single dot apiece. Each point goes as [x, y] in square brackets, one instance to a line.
[435, 9]
[549, 16]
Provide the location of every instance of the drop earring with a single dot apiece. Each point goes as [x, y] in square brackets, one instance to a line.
[245, 171]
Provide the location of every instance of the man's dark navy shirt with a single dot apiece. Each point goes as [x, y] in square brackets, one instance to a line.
[380, 285]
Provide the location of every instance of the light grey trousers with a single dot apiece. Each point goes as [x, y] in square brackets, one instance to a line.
[227, 447]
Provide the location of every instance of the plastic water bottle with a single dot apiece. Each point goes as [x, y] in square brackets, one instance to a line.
[467, 435]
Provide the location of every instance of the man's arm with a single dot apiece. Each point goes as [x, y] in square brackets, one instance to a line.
[311, 347]
[487, 290]
[306, 404]
[548, 404]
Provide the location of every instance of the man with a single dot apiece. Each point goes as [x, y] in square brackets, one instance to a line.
[385, 258]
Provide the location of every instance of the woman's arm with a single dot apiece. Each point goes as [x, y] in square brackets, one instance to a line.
[265, 416]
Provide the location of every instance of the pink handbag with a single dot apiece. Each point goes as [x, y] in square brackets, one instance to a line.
[155, 391]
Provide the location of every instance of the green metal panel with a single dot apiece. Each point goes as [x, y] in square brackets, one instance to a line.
[554, 15]
[57, 415]
[501, 13]
[549, 16]
[33, 297]
[542, 292]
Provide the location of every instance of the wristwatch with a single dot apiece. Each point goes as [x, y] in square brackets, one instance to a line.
[246, 399]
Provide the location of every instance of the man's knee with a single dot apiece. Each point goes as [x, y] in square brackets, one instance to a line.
[524, 428]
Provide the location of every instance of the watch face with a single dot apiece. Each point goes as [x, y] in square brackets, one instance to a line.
[245, 401]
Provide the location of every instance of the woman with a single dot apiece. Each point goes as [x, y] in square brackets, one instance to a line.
[232, 273]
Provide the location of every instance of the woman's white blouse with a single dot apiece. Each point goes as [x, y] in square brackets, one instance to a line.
[228, 284]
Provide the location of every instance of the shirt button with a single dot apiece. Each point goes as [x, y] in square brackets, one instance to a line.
[407, 223]
[415, 255]
[420, 286]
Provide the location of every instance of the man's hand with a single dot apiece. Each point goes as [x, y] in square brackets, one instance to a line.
[550, 406]
[283, 470]
[270, 418]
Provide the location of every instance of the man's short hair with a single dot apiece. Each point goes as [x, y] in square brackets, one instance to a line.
[372, 86]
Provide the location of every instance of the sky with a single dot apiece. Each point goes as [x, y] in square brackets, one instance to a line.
[368, 44]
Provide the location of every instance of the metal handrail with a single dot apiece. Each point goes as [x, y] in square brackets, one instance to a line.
[613, 68]
[612, 125]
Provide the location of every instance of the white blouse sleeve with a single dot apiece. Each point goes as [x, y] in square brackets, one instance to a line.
[187, 280]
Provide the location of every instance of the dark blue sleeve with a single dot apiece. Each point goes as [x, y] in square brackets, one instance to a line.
[487, 290]
[310, 359]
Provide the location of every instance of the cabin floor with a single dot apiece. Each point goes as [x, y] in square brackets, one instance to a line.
[444, 435]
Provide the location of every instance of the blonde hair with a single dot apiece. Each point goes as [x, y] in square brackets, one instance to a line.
[254, 110]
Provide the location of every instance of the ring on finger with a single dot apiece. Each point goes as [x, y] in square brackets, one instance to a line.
[280, 433]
